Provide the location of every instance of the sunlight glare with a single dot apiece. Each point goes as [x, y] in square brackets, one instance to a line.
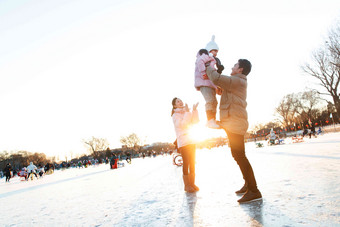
[200, 132]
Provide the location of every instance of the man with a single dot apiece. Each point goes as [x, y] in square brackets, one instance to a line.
[234, 120]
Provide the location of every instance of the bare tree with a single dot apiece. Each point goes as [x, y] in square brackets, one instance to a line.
[256, 127]
[95, 145]
[287, 109]
[21, 159]
[326, 66]
[272, 124]
[307, 107]
[330, 107]
[37, 158]
[131, 140]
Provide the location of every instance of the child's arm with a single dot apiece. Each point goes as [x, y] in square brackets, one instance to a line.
[219, 65]
[203, 62]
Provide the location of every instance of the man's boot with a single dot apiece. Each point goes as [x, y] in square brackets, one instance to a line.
[187, 185]
[250, 196]
[243, 189]
[192, 181]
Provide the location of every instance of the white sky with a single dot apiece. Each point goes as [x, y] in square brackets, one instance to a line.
[70, 70]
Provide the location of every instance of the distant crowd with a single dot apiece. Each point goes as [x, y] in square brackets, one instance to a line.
[33, 171]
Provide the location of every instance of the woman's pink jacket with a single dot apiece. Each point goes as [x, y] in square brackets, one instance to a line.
[182, 122]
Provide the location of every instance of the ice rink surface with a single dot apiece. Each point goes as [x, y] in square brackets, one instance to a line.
[300, 184]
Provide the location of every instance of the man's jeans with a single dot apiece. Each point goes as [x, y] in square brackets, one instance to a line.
[238, 152]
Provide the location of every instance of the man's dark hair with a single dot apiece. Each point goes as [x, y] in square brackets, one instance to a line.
[245, 65]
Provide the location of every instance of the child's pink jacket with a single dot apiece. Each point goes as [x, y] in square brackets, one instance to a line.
[200, 71]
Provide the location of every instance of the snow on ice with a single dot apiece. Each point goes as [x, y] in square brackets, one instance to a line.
[299, 182]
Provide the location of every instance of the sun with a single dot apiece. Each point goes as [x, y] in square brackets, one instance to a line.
[197, 133]
[200, 132]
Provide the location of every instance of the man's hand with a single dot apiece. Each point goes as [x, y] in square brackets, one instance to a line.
[205, 77]
[219, 91]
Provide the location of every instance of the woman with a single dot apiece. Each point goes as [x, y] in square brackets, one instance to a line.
[183, 119]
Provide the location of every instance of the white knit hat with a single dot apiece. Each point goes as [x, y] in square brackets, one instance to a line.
[212, 45]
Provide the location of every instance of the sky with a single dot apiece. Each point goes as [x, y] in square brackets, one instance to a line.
[72, 69]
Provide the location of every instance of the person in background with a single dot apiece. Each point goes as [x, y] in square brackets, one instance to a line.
[7, 171]
[31, 169]
[41, 171]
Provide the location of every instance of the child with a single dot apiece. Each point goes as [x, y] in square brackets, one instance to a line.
[202, 82]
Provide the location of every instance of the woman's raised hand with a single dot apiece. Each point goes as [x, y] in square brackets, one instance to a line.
[194, 107]
[186, 108]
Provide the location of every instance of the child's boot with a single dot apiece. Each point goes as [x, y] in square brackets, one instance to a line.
[211, 120]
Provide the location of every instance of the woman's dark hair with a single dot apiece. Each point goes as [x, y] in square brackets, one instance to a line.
[173, 105]
[203, 51]
[176, 145]
[246, 65]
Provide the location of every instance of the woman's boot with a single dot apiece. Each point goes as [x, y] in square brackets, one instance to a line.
[192, 181]
[187, 185]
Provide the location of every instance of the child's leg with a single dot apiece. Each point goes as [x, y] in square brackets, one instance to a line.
[209, 95]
